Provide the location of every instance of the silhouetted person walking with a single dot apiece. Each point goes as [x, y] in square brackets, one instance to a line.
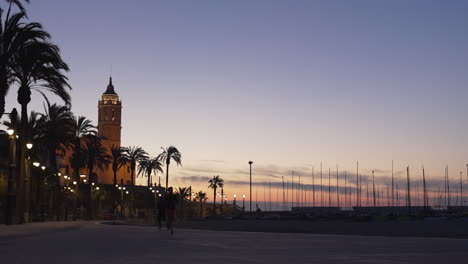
[170, 202]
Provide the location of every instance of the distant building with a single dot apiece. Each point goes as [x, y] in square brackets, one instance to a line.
[109, 130]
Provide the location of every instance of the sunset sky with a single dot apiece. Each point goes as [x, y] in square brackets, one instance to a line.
[287, 84]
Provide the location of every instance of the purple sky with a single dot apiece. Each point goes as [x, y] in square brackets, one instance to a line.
[284, 83]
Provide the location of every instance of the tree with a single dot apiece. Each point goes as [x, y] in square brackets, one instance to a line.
[201, 198]
[56, 132]
[133, 155]
[148, 166]
[168, 154]
[96, 156]
[17, 3]
[14, 35]
[183, 193]
[82, 128]
[118, 159]
[214, 184]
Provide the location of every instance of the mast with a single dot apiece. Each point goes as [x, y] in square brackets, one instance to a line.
[373, 187]
[313, 187]
[321, 186]
[408, 199]
[357, 184]
[337, 188]
[329, 187]
[461, 190]
[284, 207]
[345, 190]
[393, 192]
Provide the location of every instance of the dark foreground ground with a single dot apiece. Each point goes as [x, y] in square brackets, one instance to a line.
[89, 242]
[409, 228]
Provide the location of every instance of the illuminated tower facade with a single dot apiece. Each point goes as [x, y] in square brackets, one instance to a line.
[110, 116]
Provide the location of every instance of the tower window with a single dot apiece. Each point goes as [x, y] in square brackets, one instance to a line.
[113, 114]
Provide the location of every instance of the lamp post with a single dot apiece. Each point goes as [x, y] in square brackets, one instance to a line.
[234, 203]
[11, 189]
[250, 164]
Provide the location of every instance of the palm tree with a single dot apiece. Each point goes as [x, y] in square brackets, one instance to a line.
[96, 156]
[201, 198]
[118, 159]
[134, 155]
[17, 3]
[183, 193]
[56, 132]
[14, 36]
[148, 166]
[39, 66]
[214, 184]
[168, 154]
[82, 128]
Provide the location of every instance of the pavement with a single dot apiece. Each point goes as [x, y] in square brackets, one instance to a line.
[92, 242]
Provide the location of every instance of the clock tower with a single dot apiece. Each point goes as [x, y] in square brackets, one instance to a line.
[109, 117]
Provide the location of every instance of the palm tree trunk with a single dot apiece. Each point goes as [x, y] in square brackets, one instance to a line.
[23, 190]
[167, 175]
[115, 176]
[214, 201]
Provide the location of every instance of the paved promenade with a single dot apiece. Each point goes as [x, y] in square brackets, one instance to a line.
[89, 242]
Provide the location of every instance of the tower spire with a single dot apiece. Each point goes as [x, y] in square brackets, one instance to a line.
[110, 87]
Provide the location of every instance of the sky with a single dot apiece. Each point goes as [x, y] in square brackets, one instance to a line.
[286, 84]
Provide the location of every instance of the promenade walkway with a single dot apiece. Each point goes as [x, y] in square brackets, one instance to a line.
[90, 242]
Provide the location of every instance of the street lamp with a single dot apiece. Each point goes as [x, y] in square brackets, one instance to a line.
[243, 203]
[29, 145]
[43, 167]
[36, 164]
[250, 164]
[234, 203]
[10, 131]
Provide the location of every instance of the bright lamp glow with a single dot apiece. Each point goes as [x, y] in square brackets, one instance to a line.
[74, 182]
[29, 145]
[97, 188]
[36, 164]
[82, 176]
[10, 131]
[43, 167]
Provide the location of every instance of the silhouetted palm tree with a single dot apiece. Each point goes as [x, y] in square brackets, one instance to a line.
[183, 193]
[95, 156]
[17, 3]
[168, 154]
[214, 184]
[118, 159]
[56, 132]
[148, 166]
[39, 66]
[82, 127]
[201, 198]
[14, 36]
[133, 155]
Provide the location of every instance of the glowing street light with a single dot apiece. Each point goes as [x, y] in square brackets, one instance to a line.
[43, 167]
[97, 188]
[36, 164]
[29, 145]
[74, 182]
[10, 131]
